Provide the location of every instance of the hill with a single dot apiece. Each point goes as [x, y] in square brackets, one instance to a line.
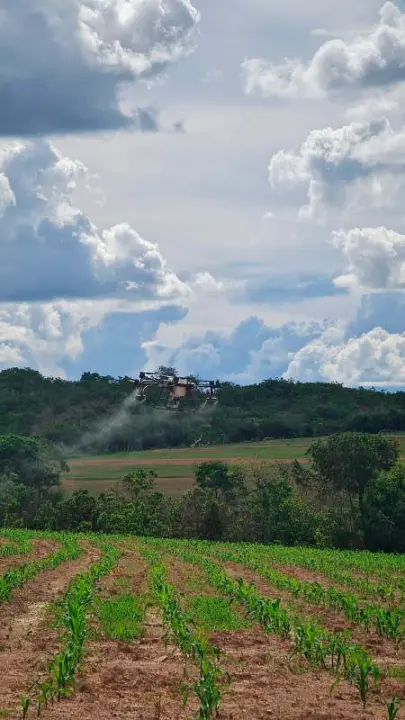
[88, 414]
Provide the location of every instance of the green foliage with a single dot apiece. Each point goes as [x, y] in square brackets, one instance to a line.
[64, 411]
[122, 618]
[330, 651]
[18, 576]
[209, 612]
[348, 461]
[217, 475]
[30, 461]
[139, 481]
[193, 647]
[385, 511]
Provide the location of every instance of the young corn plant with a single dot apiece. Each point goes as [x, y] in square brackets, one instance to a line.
[17, 577]
[330, 651]
[207, 688]
[393, 707]
[73, 614]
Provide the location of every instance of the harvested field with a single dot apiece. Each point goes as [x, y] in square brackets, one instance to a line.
[142, 629]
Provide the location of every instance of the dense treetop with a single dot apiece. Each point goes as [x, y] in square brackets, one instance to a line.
[64, 411]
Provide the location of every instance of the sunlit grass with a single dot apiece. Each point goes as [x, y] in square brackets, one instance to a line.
[122, 618]
[209, 612]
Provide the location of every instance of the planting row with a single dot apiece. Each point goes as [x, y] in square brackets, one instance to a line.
[207, 688]
[72, 615]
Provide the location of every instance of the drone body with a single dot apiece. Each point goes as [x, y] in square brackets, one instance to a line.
[175, 393]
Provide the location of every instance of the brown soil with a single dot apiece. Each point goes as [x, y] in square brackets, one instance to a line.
[187, 578]
[383, 651]
[141, 680]
[40, 549]
[266, 682]
[136, 680]
[25, 636]
[135, 462]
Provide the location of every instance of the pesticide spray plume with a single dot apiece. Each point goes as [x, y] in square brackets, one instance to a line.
[141, 425]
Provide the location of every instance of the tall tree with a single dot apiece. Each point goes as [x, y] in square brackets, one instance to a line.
[349, 461]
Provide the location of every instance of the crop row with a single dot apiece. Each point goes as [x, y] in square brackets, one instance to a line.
[18, 543]
[383, 574]
[388, 622]
[334, 652]
[73, 615]
[330, 651]
[207, 688]
[17, 577]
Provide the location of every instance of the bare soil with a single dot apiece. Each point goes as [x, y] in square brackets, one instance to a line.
[143, 462]
[383, 651]
[136, 680]
[40, 549]
[141, 680]
[26, 638]
[266, 681]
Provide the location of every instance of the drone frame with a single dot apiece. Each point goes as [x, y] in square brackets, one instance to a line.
[176, 393]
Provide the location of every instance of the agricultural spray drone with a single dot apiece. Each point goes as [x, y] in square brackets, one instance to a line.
[175, 393]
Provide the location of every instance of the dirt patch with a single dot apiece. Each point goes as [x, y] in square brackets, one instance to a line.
[40, 549]
[140, 462]
[381, 650]
[25, 636]
[266, 683]
[138, 680]
[187, 578]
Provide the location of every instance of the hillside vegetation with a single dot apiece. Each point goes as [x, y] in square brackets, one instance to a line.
[72, 412]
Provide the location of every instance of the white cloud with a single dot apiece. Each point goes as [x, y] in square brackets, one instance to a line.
[60, 275]
[373, 58]
[374, 358]
[358, 163]
[50, 250]
[64, 64]
[375, 258]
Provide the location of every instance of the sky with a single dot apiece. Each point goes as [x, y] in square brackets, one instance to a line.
[212, 185]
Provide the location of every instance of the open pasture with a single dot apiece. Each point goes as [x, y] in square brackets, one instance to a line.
[175, 467]
[139, 629]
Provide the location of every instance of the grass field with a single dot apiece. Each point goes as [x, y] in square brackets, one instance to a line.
[144, 629]
[175, 468]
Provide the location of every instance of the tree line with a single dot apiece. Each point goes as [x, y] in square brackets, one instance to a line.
[70, 413]
[351, 495]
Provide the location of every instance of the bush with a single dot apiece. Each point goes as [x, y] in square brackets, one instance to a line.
[385, 511]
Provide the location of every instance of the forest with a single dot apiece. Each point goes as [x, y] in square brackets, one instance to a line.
[72, 413]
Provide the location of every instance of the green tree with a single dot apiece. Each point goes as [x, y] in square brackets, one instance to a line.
[139, 481]
[218, 476]
[385, 510]
[30, 461]
[349, 461]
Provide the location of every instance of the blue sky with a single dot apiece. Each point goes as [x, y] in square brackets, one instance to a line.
[212, 184]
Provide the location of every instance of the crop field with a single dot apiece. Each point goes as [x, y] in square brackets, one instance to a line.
[146, 629]
[175, 468]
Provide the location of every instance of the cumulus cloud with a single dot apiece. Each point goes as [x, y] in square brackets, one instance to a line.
[64, 65]
[250, 352]
[333, 163]
[373, 58]
[374, 358]
[50, 250]
[41, 335]
[375, 258]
